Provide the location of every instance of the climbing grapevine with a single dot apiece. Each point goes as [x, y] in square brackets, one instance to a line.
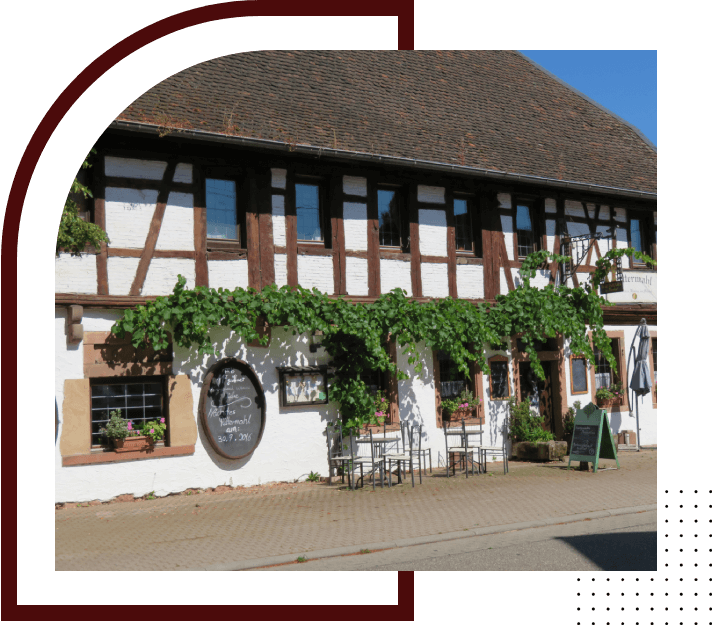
[356, 336]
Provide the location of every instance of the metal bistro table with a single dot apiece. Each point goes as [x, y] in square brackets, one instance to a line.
[464, 449]
[379, 444]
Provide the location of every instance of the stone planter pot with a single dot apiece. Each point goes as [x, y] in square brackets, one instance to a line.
[133, 443]
[550, 450]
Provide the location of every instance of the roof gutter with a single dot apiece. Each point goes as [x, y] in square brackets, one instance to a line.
[366, 157]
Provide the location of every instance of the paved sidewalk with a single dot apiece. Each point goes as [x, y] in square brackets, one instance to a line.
[271, 524]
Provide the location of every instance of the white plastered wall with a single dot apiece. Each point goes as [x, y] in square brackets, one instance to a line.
[177, 229]
[163, 274]
[121, 272]
[75, 274]
[316, 271]
[471, 281]
[434, 279]
[432, 232]
[622, 420]
[355, 226]
[293, 443]
[395, 274]
[228, 274]
[356, 276]
[279, 228]
[128, 215]
[280, 269]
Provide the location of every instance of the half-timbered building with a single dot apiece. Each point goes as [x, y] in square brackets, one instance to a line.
[354, 172]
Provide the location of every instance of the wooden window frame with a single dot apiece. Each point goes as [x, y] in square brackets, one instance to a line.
[505, 360]
[475, 224]
[533, 217]
[477, 387]
[404, 221]
[572, 357]
[324, 217]
[238, 176]
[622, 375]
[118, 379]
[653, 335]
[647, 227]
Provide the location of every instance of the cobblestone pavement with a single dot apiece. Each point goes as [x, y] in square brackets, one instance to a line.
[205, 530]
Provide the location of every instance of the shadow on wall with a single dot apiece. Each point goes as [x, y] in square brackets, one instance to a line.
[410, 410]
[56, 420]
[496, 422]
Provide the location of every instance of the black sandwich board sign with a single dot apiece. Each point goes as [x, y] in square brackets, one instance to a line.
[592, 438]
[232, 408]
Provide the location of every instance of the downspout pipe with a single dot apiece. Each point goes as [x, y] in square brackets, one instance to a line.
[365, 157]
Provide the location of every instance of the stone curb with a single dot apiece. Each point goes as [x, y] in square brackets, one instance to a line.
[257, 563]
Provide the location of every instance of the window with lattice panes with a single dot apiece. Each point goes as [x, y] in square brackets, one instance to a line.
[604, 374]
[524, 215]
[452, 380]
[139, 399]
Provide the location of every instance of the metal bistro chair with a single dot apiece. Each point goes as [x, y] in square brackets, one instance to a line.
[493, 450]
[410, 455]
[342, 458]
[408, 443]
[376, 461]
[466, 452]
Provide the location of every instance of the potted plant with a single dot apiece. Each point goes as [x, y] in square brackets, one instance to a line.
[381, 407]
[611, 396]
[530, 441]
[124, 437]
[461, 407]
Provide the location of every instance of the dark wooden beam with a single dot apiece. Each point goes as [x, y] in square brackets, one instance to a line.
[153, 231]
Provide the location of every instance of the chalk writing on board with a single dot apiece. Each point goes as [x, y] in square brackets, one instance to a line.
[585, 440]
[232, 409]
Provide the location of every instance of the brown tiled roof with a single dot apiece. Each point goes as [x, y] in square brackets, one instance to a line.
[486, 109]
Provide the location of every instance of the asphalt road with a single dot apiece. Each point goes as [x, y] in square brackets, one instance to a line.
[620, 543]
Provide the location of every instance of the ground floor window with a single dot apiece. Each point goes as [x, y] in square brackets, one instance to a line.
[452, 380]
[139, 399]
[499, 378]
[603, 376]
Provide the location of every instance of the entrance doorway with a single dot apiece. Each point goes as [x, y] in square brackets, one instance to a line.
[539, 392]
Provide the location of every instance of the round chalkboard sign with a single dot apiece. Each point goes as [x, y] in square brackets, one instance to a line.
[232, 408]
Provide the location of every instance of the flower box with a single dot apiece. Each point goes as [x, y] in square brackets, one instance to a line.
[132, 443]
[458, 415]
[609, 403]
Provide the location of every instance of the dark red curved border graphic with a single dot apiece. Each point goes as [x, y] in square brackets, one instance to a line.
[404, 611]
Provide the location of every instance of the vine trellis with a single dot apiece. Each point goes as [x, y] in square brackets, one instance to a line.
[356, 335]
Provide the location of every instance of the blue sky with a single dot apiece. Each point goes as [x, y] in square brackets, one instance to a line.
[624, 81]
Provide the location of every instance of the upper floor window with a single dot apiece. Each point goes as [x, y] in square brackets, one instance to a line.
[391, 222]
[221, 208]
[526, 243]
[310, 218]
[468, 234]
[642, 235]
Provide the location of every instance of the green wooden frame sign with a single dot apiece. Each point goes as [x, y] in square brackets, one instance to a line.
[592, 438]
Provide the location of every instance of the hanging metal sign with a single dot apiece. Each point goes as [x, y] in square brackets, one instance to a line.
[614, 279]
[592, 438]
